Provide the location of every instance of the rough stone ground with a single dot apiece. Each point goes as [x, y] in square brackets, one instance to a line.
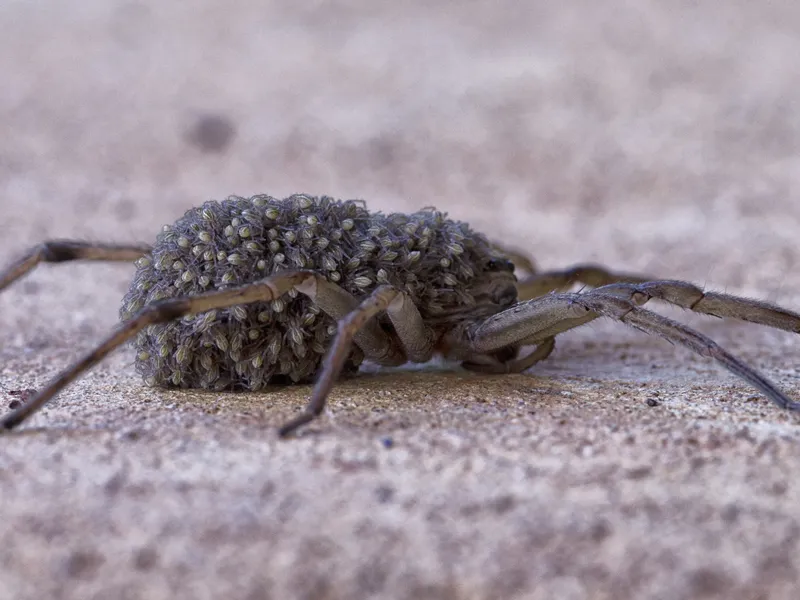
[652, 136]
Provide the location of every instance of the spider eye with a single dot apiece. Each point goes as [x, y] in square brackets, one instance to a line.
[500, 264]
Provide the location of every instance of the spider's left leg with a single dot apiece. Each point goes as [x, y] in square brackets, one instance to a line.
[415, 337]
[545, 282]
[689, 296]
[537, 320]
[57, 251]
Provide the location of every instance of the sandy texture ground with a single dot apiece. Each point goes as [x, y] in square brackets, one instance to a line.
[651, 136]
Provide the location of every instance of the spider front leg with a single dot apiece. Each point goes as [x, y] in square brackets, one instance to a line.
[56, 251]
[537, 320]
[689, 296]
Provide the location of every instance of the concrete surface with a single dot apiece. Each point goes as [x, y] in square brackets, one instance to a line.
[652, 136]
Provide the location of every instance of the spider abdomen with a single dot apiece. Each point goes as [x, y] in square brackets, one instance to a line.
[241, 240]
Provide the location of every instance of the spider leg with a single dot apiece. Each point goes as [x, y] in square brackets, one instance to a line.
[333, 300]
[56, 251]
[482, 363]
[541, 318]
[378, 301]
[688, 295]
[415, 336]
[545, 282]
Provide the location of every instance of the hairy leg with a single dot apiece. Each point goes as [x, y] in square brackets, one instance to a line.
[542, 318]
[377, 345]
[415, 336]
[374, 304]
[545, 282]
[689, 296]
[412, 333]
[57, 251]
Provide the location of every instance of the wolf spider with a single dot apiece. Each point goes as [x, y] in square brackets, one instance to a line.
[246, 292]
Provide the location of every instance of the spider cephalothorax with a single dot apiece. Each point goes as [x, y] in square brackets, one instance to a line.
[251, 291]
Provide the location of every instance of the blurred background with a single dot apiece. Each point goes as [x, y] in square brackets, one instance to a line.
[650, 136]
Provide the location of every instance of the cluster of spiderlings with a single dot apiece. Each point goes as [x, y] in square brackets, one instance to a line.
[239, 240]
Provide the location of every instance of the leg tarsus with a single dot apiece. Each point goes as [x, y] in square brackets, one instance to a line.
[650, 322]
[290, 427]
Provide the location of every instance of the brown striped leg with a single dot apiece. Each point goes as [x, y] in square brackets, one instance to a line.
[377, 344]
[689, 296]
[542, 318]
[377, 302]
[57, 251]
